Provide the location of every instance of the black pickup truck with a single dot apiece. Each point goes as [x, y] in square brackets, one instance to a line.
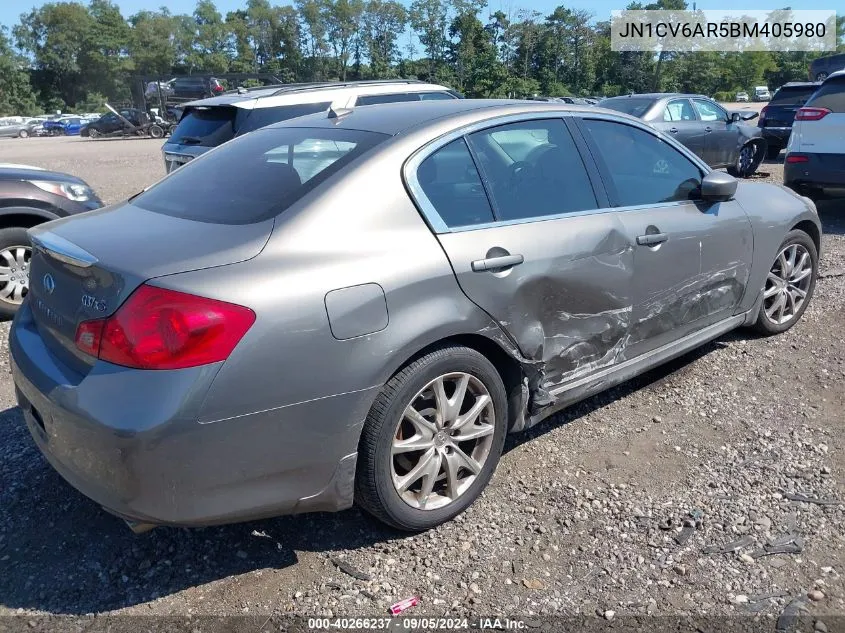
[777, 117]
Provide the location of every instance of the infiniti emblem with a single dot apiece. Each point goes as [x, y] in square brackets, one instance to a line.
[49, 283]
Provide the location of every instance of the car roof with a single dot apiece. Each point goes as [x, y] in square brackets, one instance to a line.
[395, 118]
[288, 94]
[801, 84]
[661, 95]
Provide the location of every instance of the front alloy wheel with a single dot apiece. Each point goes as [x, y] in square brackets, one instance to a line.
[14, 273]
[789, 284]
[432, 439]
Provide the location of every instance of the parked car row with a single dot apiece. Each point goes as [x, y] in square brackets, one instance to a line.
[212, 319]
[720, 138]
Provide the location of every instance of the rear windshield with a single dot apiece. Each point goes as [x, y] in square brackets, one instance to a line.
[793, 95]
[831, 95]
[256, 176]
[206, 126]
[629, 105]
[210, 126]
[249, 120]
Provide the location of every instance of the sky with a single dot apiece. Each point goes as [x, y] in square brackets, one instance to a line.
[10, 10]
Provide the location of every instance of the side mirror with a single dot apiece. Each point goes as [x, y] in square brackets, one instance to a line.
[735, 117]
[717, 186]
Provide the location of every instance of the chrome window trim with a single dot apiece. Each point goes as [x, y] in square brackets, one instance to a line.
[432, 217]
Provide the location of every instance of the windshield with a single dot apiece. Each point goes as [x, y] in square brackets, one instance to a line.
[256, 176]
[629, 105]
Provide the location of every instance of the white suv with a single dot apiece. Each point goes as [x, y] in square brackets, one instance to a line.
[210, 122]
[815, 156]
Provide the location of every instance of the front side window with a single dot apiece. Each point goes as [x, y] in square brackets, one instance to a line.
[709, 111]
[642, 168]
[533, 169]
[256, 176]
[679, 110]
[450, 181]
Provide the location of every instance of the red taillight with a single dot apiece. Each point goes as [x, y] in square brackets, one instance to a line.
[217, 88]
[811, 114]
[762, 115]
[163, 329]
[797, 158]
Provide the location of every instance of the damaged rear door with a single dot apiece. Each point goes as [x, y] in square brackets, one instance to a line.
[534, 245]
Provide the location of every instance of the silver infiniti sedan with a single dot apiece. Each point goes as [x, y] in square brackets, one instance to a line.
[359, 307]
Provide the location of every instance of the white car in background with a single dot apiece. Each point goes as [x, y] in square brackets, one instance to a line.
[761, 93]
[815, 156]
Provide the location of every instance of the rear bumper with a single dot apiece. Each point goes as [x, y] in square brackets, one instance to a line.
[130, 441]
[776, 136]
[824, 173]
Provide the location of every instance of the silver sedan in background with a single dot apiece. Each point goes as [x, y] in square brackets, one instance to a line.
[359, 307]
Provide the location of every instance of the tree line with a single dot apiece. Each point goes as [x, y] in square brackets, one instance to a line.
[71, 56]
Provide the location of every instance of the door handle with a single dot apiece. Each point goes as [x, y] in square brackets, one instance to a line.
[652, 239]
[492, 263]
[673, 130]
[708, 129]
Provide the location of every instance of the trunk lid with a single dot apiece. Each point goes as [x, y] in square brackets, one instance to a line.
[85, 267]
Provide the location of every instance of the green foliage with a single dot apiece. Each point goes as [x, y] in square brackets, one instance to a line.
[68, 54]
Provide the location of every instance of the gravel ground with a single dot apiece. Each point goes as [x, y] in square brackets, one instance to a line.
[709, 486]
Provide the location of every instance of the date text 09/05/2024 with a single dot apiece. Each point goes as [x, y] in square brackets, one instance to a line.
[416, 623]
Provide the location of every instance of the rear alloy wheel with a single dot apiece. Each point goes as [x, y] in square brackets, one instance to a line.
[432, 439]
[789, 284]
[94, 133]
[23, 134]
[156, 131]
[821, 76]
[15, 254]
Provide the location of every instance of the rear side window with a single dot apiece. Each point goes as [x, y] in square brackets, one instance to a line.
[206, 126]
[642, 168]
[436, 96]
[533, 169]
[259, 117]
[256, 176]
[793, 96]
[451, 183]
[392, 98]
[629, 105]
[831, 95]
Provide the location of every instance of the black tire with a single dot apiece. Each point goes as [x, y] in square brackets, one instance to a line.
[15, 236]
[156, 131]
[773, 151]
[821, 76]
[94, 134]
[374, 488]
[766, 326]
[737, 170]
